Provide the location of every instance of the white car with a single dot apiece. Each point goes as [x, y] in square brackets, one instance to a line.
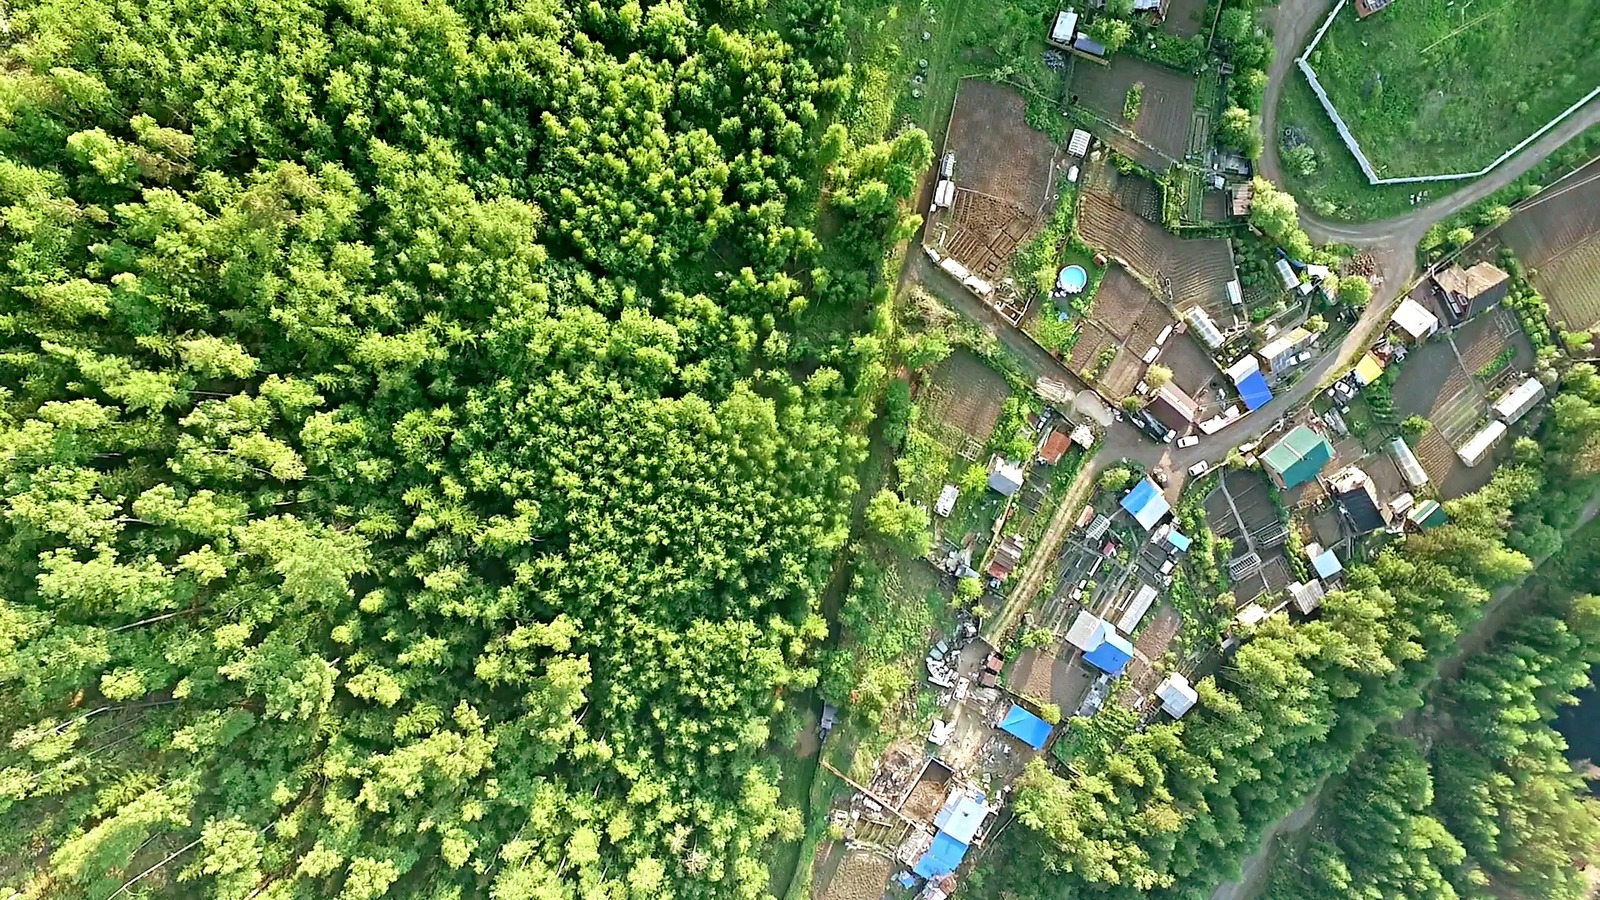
[1199, 468]
[1188, 440]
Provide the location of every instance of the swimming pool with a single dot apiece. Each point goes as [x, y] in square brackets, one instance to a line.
[1072, 279]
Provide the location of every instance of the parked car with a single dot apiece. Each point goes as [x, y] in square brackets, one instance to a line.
[1199, 468]
[1188, 440]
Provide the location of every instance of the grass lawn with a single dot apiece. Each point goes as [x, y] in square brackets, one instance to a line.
[1437, 86]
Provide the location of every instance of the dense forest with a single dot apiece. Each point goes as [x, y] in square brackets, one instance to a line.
[426, 427]
[1491, 808]
[1174, 808]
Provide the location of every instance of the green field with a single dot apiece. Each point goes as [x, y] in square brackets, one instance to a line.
[1435, 86]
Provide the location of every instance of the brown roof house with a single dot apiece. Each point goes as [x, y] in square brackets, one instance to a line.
[1366, 8]
[1055, 446]
[1173, 408]
[1467, 292]
[1007, 554]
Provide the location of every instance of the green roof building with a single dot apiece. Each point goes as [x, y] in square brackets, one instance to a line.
[1297, 458]
[1428, 515]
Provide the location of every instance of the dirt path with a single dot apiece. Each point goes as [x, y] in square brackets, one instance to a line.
[1033, 574]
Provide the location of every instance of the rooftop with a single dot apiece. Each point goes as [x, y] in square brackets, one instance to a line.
[1177, 696]
[1146, 504]
[1472, 282]
[1298, 457]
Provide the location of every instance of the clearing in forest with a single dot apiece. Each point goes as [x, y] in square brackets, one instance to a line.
[1433, 87]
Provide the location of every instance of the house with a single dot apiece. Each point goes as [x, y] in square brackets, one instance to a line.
[1025, 726]
[1146, 504]
[957, 825]
[1406, 461]
[1102, 646]
[1307, 596]
[1055, 445]
[1177, 695]
[1479, 445]
[1078, 145]
[1007, 556]
[1173, 408]
[1297, 457]
[946, 504]
[1358, 502]
[1518, 401]
[1278, 354]
[1062, 32]
[1366, 8]
[1004, 476]
[1467, 292]
[1415, 321]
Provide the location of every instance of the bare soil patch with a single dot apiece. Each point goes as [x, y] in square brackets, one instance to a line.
[1165, 114]
[963, 398]
[1005, 173]
[861, 876]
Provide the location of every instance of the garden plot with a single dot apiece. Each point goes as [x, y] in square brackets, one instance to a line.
[1045, 676]
[1185, 18]
[1156, 635]
[1004, 174]
[961, 403]
[1558, 241]
[861, 876]
[1441, 87]
[1120, 215]
[1441, 382]
[1241, 510]
[1166, 112]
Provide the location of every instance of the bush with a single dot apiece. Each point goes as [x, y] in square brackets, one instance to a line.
[1132, 102]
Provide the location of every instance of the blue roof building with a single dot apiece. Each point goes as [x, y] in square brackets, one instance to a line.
[958, 823]
[1324, 562]
[1112, 655]
[1254, 392]
[1179, 541]
[1025, 727]
[1146, 504]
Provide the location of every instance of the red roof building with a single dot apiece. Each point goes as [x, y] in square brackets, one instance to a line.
[1054, 447]
[1366, 8]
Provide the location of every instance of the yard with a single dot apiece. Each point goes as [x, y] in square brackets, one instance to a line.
[1166, 112]
[1437, 86]
[1005, 177]
[1119, 214]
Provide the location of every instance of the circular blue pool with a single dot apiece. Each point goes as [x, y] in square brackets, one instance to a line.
[1072, 279]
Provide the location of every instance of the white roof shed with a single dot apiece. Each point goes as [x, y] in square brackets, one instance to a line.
[1177, 696]
[1415, 320]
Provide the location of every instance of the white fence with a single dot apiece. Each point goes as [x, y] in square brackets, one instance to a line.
[1304, 63]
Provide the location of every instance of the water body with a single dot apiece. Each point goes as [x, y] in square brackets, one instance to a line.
[1580, 726]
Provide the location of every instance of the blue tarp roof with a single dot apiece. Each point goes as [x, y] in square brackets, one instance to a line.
[1327, 565]
[1026, 727]
[1179, 541]
[942, 858]
[1112, 655]
[1254, 392]
[1146, 504]
[907, 880]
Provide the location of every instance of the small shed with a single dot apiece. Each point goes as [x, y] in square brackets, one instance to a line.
[1146, 504]
[1004, 476]
[1243, 368]
[1055, 445]
[1086, 631]
[1368, 370]
[1078, 144]
[1177, 695]
[1063, 29]
[1025, 727]
[1415, 321]
[1427, 515]
[1307, 596]
[1286, 274]
[1178, 541]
